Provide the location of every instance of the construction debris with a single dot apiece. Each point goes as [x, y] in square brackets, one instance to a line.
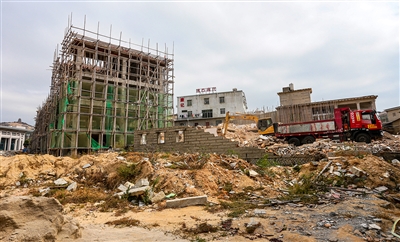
[244, 135]
[344, 188]
[189, 201]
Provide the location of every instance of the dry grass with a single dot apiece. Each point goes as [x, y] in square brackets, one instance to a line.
[82, 195]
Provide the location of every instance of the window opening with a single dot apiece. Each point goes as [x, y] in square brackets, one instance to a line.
[161, 138]
[180, 136]
[143, 139]
[207, 113]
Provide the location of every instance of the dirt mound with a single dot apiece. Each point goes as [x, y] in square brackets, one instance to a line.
[34, 170]
[25, 218]
[234, 188]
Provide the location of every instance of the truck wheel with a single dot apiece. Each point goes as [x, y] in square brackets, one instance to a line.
[308, 140]
[362, 137]
[294, 141]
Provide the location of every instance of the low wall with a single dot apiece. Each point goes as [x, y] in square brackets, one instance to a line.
[191, 140]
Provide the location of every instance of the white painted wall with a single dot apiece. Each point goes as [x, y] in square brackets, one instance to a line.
[234, 102]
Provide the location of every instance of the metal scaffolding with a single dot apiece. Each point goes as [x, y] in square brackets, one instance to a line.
[102, 90]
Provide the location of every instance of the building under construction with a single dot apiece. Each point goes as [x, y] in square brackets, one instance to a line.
[102, 90]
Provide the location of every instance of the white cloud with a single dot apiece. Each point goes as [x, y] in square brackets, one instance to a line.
[339, 49]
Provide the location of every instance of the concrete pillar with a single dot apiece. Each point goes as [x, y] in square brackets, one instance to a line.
[9, 144]
[124, 66]
[358, 105]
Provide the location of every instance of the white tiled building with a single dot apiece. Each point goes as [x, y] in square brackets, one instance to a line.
[208, 107]
[12, 138]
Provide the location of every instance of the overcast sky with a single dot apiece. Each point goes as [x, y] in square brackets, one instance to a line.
[339, 49]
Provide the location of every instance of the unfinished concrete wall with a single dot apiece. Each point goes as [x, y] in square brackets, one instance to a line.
[188, 139]
[393, 114]
[293, 97]
[322, 110]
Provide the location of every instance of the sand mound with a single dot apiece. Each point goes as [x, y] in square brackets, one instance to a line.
[25, 218]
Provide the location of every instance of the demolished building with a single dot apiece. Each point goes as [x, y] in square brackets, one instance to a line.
[102, 90]
[296, 105]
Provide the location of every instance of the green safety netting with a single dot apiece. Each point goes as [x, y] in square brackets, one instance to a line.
[69, 91]
[71, 84]
[95, 144]
[62, 107]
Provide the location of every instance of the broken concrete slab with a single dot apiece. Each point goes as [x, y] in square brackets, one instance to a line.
[121, 158]
[72, 187]
[374, 226]
[122, 188]
[138, 190]
[357, 172]
[380, 189]
[253, 173]
[129, 185]
[260, 211]
[142, 182]
[60, 182]
[188, 201]
[158, 197]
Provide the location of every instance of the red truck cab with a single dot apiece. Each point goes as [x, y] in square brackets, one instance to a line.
[358, 125]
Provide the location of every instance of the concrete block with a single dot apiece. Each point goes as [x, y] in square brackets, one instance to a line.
[138, 191]
[157, 197]
[188, 201]
[122, 188]
[259, 211]
[60, 182]
[253, 173]
[142, 182]
[395, 162]
[357, 171]
[72, 186]
[129, 185]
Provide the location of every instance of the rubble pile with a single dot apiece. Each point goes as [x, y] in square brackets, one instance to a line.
[247, 136]
[356, 192]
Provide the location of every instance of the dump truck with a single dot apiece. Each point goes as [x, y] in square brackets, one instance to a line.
[358, 125]
[264, 125]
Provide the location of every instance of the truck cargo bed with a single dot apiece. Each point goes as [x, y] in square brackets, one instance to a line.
[316, 126]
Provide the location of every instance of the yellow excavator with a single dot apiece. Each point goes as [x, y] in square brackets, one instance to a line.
[264, 125]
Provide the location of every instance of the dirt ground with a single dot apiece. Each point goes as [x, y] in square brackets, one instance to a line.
[339, 198]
